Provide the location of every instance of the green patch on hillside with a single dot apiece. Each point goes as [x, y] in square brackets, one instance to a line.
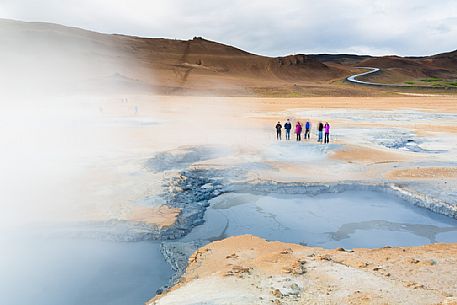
[448, 83]
[433, 82]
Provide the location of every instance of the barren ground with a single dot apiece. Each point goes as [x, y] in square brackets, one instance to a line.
[250, 270]
[402, 139]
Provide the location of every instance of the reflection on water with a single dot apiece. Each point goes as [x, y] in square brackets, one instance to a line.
[429, 232]
[44, 271]
[350, 219]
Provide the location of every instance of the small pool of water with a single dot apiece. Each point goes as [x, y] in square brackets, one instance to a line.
[47, 271]
[351, 219]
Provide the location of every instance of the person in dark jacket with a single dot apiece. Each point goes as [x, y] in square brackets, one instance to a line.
[288, 127]
[278, 131]
[320, 128]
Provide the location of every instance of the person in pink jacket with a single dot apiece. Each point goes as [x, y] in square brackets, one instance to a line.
[298, 129]
[327, 132]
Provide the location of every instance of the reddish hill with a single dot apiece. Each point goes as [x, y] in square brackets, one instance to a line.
[163, 65]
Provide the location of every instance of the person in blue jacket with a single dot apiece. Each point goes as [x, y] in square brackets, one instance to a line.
[307, 130]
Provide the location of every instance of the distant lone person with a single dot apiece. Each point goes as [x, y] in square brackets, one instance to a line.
[320, 128]
[298, 129]
[288, 127]
[307, 130]
[327, 132]
[278, 131]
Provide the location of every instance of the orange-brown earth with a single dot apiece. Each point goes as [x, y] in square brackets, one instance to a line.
[162, 216]
[367, 155]
[424, 173]
[249, 270]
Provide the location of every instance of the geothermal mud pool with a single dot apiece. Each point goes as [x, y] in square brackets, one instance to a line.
[348, 215]
[128, 263]
[129, 268]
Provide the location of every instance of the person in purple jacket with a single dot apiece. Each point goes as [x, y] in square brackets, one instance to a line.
[298, 129]
[327, 132]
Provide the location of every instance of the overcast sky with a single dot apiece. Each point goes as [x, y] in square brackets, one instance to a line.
[377, 27]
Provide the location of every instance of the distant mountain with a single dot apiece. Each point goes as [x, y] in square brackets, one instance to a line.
[92, 61]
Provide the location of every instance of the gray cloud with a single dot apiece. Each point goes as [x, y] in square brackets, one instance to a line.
[407, 27]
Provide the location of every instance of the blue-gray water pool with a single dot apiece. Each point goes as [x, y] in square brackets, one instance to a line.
[48, 271]
[349, 219]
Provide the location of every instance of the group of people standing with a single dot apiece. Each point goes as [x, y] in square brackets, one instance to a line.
[322, 129]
